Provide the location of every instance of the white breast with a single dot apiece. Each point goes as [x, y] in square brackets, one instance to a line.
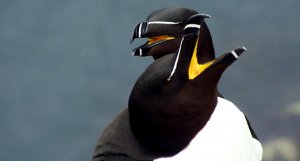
[226, 137]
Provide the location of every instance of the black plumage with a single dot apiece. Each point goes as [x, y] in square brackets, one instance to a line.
[167, 107]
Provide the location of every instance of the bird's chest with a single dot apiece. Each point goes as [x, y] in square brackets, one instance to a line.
[225, 136]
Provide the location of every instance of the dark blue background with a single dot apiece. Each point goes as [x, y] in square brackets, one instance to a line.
[66, 70]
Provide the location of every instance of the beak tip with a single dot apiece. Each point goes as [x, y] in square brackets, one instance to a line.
[204, 15]
[133, 53]
[245, 49]
[238, 51]
[241, 50]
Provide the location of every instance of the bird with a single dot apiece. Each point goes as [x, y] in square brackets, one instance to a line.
[175, 112]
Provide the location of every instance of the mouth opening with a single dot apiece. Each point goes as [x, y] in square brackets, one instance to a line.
[151, 42]
[156, 39]
[196, 69]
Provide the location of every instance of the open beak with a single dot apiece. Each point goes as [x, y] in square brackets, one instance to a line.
[144, 49]
[157, 32]
[195, 69]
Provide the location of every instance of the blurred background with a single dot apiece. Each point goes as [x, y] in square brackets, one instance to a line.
[66, 70]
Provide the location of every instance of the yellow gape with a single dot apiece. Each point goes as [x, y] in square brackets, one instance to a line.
[154, 39]
[195, 68]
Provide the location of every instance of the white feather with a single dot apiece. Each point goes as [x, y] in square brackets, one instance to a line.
[226, 137]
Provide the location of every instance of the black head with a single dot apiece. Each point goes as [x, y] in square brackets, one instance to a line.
[175, 96]
[164, 29]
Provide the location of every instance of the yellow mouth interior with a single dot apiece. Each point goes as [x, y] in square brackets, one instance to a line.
[195, 68]
[154, 39]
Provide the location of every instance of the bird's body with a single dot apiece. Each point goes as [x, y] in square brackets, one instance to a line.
[117, 142]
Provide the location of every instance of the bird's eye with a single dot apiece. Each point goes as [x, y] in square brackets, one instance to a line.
[154, 39]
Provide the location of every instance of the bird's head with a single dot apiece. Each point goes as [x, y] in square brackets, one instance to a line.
[163, 30]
